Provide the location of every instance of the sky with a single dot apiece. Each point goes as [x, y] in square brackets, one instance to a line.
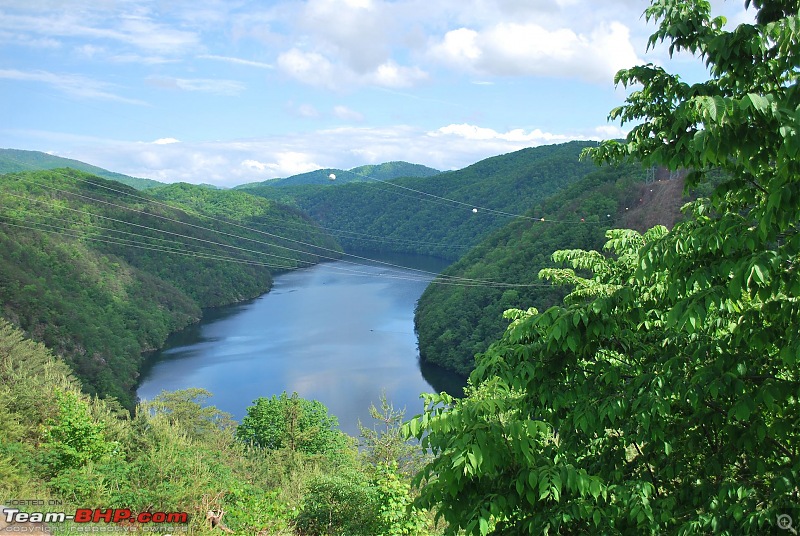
[227, 92]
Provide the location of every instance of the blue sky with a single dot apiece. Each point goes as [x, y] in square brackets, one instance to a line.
[234, 91]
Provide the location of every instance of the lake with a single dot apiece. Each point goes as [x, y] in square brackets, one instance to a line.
[337, 332]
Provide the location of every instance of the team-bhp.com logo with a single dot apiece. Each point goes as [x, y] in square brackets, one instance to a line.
[13, 520]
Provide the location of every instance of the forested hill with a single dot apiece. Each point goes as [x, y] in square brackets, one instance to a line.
[456, 322]
[14, 160]
[397, 216]
[393, 170]
[322, 177]
[100, 272]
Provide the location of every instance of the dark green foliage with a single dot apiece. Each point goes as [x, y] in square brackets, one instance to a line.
[16, 160]
[72, 439]
[338, 505]
[380, 217]
[454, 323]
[352, 504]
[293, 423]
[662, 396]
[100, 276]
[252, 510]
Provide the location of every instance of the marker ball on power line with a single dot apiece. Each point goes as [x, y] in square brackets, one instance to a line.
[332, 177]
[542, 219]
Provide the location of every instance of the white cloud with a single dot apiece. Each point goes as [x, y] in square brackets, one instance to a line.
[130, 29]
[165, 141]
[459, 48]
[473, 132]
[515, 49]
[140, 59]
[19, 39]
[237, 61]
[308, 67]
[254, 165]
[390, 74]
[207, 85]
[307, 110]
[228, 163]
[607, 132]
[89, 51]
[71, 84]
[292, 163]
[356, 32]
[343, 112]
[315, 69]
[286, 164]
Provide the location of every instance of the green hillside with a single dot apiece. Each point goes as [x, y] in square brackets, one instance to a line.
[100, 272]
[322, 177]
[178, 454]
[456, 322]
[394, 170]
[15, 160]
[397, 217]
[318, 177]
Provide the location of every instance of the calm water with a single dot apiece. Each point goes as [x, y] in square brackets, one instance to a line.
[337, 332]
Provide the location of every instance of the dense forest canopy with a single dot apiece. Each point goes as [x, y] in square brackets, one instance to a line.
[433, 215]
[661, 397]
[100, 272]
[454, 323]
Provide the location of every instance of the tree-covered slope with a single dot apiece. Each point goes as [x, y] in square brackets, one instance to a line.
[14, 160]
[100, 272]
[393, 170]
[322, 177]
[456, 322]
[69, 450]
[395, 216]
[661, 397]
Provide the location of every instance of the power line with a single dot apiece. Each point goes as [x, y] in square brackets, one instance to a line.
[83, 235]
[438, 278]
[277, 236]
[222, 244]
[456, 278]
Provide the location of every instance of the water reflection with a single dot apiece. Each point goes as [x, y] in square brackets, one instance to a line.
[337, 332]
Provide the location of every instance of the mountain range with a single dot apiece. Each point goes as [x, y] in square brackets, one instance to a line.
[101, 272]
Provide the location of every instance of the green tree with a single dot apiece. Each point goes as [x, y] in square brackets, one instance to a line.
[384, 445]
[293, 423]
[662, 396]
[339, 504]
[74, 438]
[183, 409]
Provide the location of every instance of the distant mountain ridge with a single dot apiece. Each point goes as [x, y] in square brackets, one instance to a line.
[433, 215]
[382, 172]
[16, 160]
